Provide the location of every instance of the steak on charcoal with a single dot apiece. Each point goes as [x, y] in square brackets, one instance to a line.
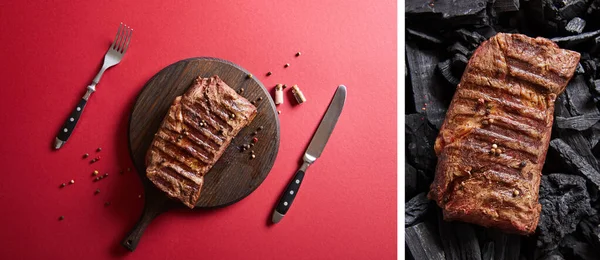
[193, 135]
[494, 139]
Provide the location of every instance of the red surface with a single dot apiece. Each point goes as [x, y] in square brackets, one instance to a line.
[51, 50]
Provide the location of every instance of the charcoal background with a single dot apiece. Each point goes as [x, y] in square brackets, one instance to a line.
[440, 38]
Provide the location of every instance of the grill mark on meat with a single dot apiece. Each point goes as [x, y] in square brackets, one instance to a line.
[168, 156]
[480, 151]
[184, 173]
[215, 118]
[175, 149]
[548, 73]
[510, 124]
[509, 88]
[510, 106]
[204, 133]
[506, 142]
[193, 136]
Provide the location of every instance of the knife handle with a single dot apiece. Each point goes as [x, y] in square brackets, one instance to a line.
[288, 196]
[67, 128]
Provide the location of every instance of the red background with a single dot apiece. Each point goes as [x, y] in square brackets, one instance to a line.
[50, 50]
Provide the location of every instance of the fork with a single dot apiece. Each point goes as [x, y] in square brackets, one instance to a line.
[113, 56]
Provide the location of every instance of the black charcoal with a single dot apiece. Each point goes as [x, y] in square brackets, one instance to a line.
[459, 240]
[445, 70]
[431, 94]
[578, 123]
[423, 242]
[589, 229]
[501, 6]
[576, 163]
[579, 70]
[420, 139]
[506, 246]
[411, 181]
[458, 48]
[459, 63]
[446, 13]
[473, 38]
[579, 99]
[573, 248]
[565, 202]
[416, 208]
[573, 40]
[590, 67]
[570, 9]
[430, 38]
[575, 26]
[487, 252]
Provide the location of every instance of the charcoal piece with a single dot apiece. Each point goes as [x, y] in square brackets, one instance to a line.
[506, 246]
[568, 107]
[431, 94]
[576, 163]
[416, 208]
[592, 135]
[502, 6]
[575, 26]
[570, 41]
[445, 69]
[579, 99]
[590, 67]
[565, 202]
[573, 248]
[420, 138]
[487, 252]
[446, 13]
[458, 240]
[459, 63]
[459, 48]
[595, 88]
[580, 70]
[430, 38]
[552, 257]
[594, 8]
[473, 38]
[578, 123]
[590, 230]
[423, 242]
[571, 8]
[410, 180]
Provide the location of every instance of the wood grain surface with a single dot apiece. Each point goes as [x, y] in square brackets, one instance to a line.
[235, 175]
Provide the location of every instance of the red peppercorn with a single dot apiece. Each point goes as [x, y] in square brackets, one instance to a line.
[254, 140]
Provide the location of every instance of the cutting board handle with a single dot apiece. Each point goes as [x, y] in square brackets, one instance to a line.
[154, 205]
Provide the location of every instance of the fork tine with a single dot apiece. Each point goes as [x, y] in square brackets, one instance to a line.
[114, 43]
[119, 45]
[128, 40]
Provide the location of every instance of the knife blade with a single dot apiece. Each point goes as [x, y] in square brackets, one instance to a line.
[314, 150]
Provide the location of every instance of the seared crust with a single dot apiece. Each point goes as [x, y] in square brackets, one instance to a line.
[193, 135]
[506, 97]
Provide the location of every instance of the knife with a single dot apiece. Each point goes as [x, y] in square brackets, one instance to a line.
[314, 150]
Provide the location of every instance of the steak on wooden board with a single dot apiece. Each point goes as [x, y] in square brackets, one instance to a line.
[494, 139]
[193, 135]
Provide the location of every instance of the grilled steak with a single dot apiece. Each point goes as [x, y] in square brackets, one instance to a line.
[194, 134]
[493, 143]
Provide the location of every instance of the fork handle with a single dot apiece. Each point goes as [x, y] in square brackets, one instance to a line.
[67, 128]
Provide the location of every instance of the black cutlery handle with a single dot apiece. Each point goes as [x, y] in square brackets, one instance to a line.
[69, 125]
[290, 193]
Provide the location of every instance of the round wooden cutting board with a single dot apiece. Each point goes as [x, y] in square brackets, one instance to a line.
[235, 175]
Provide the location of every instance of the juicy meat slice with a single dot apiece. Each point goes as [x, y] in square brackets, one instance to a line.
[193, 135]
[493, 143]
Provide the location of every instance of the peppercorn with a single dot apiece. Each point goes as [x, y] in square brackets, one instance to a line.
[522, 164]
[269, 73]
[491, 120]
[254, 133]
[494, 146]
[249, 76]
[85, 156]
[72, 182]
[286, 65]
[492, 151]
[99, 149]
[232, 115]
[95, 172]
[278, 111]
[254, 140]
[516, 193]
[61, 217]
[498, 152]
[106, 174]
[97, 191]
[63, 185]
[260, 128]
[260, 98]
[253, 156]
[298, 54]
[242, 90]
[485, 122]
